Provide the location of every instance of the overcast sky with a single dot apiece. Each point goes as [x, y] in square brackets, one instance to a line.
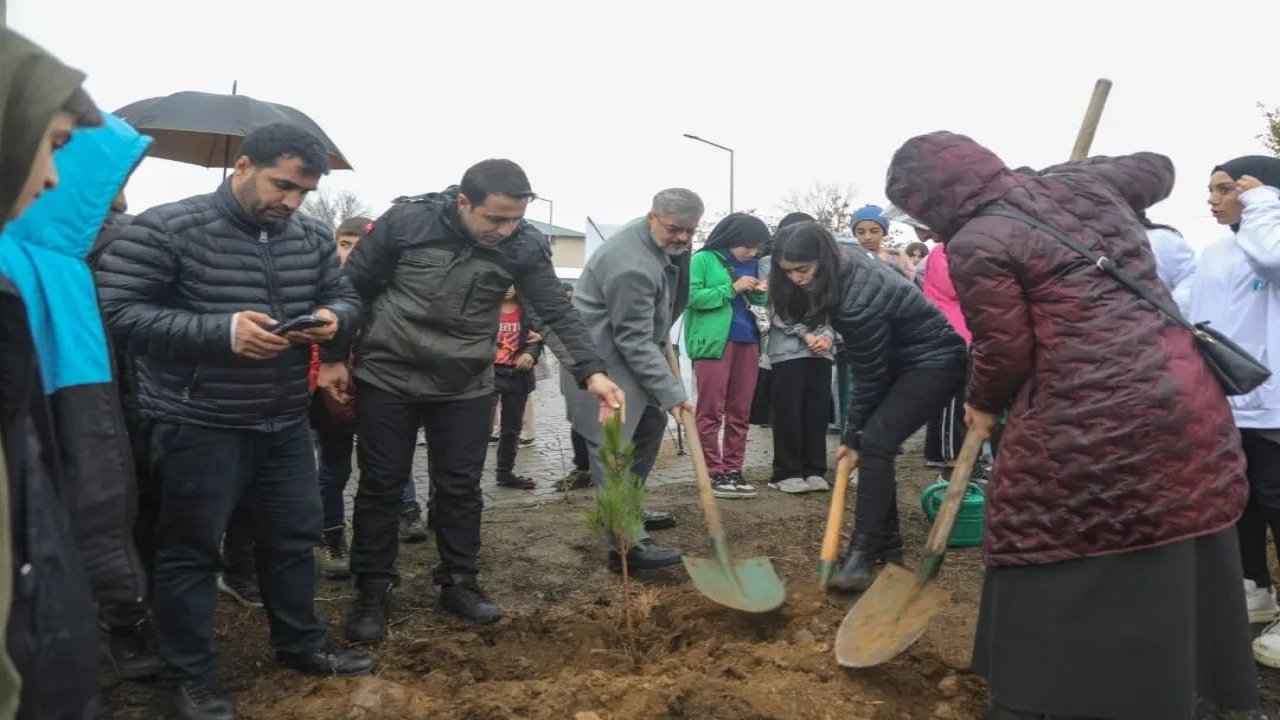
[592, 97]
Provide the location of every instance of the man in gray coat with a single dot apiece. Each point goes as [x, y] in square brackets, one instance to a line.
[630, 292]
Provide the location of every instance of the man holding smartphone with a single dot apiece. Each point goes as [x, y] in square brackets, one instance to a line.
[195, 289]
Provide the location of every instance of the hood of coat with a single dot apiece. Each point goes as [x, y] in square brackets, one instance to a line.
[942, 179]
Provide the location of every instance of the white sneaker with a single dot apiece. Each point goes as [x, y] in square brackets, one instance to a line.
[792, 486]
[1266, 648]
[1261, 602]
[817, 483]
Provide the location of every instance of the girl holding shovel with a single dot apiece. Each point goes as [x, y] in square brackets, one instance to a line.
[906, 361]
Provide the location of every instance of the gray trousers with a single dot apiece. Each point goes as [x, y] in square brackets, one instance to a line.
[647, 441]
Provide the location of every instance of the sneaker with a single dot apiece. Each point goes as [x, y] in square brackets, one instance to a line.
[726, 486]
[743, 486]
[413, 528]
[1266, 648]
[528, 442]
[1261, 603]
[817, 483]
[792, 485]
[493, 438]
[242, 590]
[199, 700]
[981, 473]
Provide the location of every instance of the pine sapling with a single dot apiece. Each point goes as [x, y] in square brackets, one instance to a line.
[618, 515]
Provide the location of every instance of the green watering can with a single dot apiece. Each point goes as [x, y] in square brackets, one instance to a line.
[967, 531]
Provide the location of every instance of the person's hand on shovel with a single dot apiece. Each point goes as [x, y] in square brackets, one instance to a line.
[686, 406]
[980, 423]
[608, 394]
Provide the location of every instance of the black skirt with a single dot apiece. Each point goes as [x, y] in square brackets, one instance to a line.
[1145, 635]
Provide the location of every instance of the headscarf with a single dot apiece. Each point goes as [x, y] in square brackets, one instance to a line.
[1265, 169]
[737, 230]
[33, 86]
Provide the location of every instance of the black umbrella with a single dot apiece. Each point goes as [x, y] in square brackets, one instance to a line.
[206, 128]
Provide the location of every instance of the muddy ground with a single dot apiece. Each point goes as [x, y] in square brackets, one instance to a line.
[563, 650]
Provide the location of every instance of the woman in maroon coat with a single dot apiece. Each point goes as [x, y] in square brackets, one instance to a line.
[1113, 587]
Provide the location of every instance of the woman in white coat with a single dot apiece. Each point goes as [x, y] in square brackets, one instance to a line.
[1236, 288]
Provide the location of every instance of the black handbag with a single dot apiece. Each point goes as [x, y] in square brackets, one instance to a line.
[1237, 371]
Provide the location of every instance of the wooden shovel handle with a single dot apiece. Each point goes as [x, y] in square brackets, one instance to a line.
[1084, 138]
[835, 516]
[708, 498]
[956, 487]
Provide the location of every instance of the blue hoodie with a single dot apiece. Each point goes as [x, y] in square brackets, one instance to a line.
[43, 253]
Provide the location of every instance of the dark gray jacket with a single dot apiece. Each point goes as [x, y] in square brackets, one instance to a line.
[171, 284]
[888, 327]
[434, 296]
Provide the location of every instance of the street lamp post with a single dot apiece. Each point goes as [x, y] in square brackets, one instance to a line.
[726, 149]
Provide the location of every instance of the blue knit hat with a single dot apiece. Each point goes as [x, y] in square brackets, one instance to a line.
[869, 212]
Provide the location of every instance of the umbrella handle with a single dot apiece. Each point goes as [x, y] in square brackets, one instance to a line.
[694, 442]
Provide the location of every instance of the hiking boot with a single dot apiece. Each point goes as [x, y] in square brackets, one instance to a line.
[200, 700]
[1261, 602]
[132, 651]
[791, 486]
[413, 528]
[858, 568]
[328, 661]
[645, 555]
[335, 563]
[658, 520]
[242, 590]
[462, 596]
[726, 486]
[576, 480]
[367, 621]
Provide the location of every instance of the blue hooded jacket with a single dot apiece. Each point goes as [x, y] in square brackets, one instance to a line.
[43, 253]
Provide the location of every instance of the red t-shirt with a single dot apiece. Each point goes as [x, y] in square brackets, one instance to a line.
[508, 337]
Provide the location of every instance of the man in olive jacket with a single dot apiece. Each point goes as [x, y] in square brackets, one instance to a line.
[433, 271]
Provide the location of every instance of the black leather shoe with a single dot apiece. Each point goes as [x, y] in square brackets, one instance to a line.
[462, 596]
[132, 651]
[328, 661]
[367, 621]
[858, 569]
[645, 555]
[658, 520]
[199, 700]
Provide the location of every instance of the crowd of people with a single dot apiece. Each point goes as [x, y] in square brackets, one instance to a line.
[183, 390]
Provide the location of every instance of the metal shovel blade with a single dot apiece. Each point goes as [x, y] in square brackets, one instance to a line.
[751, 585]
[888, 618]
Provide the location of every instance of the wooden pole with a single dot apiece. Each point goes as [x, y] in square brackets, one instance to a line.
[1084, 138]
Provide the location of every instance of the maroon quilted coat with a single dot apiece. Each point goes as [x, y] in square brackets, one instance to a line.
[1119, 437]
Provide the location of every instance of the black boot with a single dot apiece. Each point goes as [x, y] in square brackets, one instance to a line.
[658, 520]
[336, 563]
[132, 650]
[891, 542]
[328, 661]
[199, 700]
[370, 611]
[645, 555]
[462, 596]
[858, 570]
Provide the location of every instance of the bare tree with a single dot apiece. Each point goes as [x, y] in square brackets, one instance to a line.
[1271, 138]
[333, 209]
[828, 203]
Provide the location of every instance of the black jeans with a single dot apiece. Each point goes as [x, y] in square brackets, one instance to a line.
[647, 441]
[580, 461]
[206, 473]
[237, 547]
[914, 397]
[512, 404]
[457, 433]
[1263, 510]
[801, 403]
[144, 526]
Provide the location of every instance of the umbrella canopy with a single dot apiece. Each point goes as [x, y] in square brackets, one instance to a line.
[206, 128]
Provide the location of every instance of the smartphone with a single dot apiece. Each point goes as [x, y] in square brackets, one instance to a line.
[302, 322]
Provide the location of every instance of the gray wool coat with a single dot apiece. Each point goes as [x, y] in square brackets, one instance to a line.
[628, 295]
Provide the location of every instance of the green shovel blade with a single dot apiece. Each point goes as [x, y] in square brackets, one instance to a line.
[751, 585]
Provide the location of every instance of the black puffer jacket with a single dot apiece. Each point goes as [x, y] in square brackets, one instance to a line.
[888, 327]
[171, 284]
